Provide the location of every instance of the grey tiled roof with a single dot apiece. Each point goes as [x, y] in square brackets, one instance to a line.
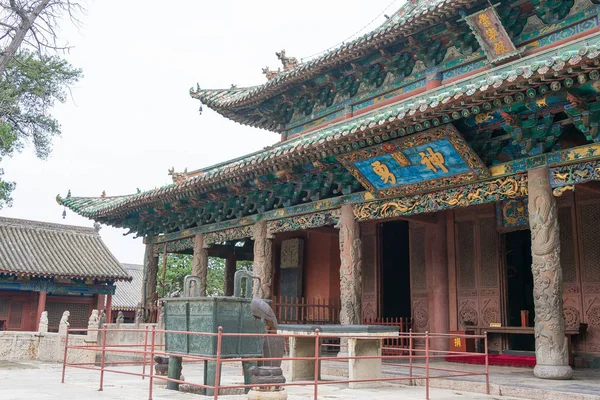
[33, 248]
[129, 294]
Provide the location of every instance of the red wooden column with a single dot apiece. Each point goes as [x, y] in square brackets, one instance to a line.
[230, 268]
[40, 309]
[109, 309]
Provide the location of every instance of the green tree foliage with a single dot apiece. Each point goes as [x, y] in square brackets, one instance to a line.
[30, 86]
[180, 265]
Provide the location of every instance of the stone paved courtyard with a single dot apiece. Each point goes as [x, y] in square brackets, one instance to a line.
[41, 381]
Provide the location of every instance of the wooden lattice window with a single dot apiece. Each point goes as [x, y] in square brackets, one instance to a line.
[489, 252]
[466, 254]
[567, 246]
[590, 228]
[417, 259]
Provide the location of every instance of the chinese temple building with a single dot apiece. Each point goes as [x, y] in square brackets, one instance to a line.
[54, 268]
[128, 294]
[442, 167]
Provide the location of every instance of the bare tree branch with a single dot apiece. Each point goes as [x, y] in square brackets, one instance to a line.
[33, 23]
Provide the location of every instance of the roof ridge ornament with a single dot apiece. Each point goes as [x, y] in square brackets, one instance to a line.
[178, 177]
[289, 63]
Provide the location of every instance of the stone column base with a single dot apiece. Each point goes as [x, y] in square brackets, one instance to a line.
[260, 395]
[557, 372]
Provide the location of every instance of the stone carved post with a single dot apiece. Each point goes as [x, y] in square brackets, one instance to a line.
[263, 260]
[150, 278]
[200, 262]
[551, 347]
[350, 268]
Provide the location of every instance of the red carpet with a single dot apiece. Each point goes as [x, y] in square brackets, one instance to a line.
[496, 359]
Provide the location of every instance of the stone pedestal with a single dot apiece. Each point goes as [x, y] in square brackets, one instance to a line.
[261, 395]
[551, 347]
[364, 368]
[302, 370]
[263, 260]
[200, 262]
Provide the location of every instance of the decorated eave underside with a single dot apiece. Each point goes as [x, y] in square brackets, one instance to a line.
[526, 108]
[240, 104]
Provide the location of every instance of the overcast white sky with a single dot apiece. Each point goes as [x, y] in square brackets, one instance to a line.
[131, 118]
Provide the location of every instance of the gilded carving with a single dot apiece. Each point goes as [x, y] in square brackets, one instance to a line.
[491, 191]
[225, 235]
[350, 268]
[301, 222]
[550, 342]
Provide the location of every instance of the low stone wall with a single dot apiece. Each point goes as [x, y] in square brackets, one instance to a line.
[50, 347]
[133, 335]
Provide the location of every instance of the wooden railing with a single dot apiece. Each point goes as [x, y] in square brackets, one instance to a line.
[300, 310]
[393, 346]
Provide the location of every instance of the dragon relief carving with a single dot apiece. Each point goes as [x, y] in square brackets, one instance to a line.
[550, 341]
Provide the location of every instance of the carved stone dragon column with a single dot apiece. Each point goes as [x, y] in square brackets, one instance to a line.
[200, 262]
[150, 278]
[551, 347]
[350, 268]
[263, 260]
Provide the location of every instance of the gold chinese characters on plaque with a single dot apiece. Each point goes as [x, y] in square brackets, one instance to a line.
[491, 34]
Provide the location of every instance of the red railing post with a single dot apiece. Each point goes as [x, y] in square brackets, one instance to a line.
[65, 356]
[218, 363]
[151, 380]
[426, 365]
[317, 352]
[487, 365]
[410, 355]
[145, 354]
[103, 358]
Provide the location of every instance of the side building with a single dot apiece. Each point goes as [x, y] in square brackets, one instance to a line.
[54, 268]
[128, 294]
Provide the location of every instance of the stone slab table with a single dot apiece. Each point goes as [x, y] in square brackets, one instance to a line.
[363, 340]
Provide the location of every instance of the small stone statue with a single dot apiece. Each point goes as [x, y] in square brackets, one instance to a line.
[93, 324]
[102, 320]
[43, 322]
[120, 318]
[64, 323]
[139, 315]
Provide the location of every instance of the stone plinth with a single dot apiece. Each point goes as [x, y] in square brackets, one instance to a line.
[364, 368]
[368, 344]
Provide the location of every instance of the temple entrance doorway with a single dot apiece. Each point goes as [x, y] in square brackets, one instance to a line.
[519, 288]
[395, 262]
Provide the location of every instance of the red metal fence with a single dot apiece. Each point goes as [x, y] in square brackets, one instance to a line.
[417, 362]
[397, 345]
[300, 310]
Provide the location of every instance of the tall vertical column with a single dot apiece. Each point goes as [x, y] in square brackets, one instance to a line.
[200, 262]
[150, 278]
[436, 267]
[230, 267]
[109, 308]
[263, 260]
[350, 267]
[551, 349]
[40, 309]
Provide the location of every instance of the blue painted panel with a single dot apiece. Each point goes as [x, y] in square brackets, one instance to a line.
[416, 171]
